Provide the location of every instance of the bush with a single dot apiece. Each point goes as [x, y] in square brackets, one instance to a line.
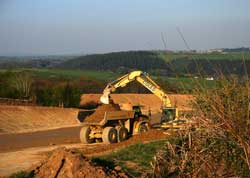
[23, 174]
[220, 144]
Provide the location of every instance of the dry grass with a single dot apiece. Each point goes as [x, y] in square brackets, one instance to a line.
[219, 146]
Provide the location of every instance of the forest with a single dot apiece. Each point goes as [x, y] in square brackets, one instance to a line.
[59, 90]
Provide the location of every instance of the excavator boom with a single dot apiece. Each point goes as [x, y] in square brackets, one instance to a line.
[120, 82]
[142, 78]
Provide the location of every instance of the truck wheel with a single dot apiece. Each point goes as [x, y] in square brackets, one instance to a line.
[122, 134]
[84, 135]
[143, 127]
[109, 135]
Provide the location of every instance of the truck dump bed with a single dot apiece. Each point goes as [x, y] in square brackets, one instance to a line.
[110, 115]
[107, 112]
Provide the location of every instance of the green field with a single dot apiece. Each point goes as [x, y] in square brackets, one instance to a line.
[135, 159]
[54, 73]
[186, 84]
[206, 56]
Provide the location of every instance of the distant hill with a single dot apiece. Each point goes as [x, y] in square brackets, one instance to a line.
[8, 62]
[154, 62]
[242, 49]
[162, 63]
[211, 67]
[119, 61]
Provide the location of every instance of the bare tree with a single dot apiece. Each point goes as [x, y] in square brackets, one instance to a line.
[22, 82]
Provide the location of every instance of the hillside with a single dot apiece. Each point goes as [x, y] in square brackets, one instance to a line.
[162, 63]
[158, 63]
[119, 61]
[12, 62]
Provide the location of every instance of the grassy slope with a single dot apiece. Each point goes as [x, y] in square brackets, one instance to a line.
[135, 159]
[48, 73]
[184, 83]
[226, 56]
[187, 63]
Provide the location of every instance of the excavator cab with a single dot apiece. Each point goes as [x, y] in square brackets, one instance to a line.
[171, 120]
[168, 115]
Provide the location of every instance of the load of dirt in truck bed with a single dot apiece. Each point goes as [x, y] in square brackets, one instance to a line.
[99, 113]
[65, 163]
[148, 101]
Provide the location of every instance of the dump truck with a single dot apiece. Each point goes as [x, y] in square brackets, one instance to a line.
[116, 126]
[169, 116]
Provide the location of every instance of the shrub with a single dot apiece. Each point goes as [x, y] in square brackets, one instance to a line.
[219, 146]
[23, 174]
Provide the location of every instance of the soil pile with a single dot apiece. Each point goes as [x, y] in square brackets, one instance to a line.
[99, 113]
[145, 137]
[72, 164]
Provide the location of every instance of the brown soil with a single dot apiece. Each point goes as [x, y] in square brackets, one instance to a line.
[148, 101]
[26, 157]
[18, 119]
[151, 135]
[99, 113]
[19, 141]
[65, 163]
[72, 163]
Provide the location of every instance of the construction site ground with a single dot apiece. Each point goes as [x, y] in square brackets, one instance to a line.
[17, 141]
[21, 119]
[27, 133]
[24, 158]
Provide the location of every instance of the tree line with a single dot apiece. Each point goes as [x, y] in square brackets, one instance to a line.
[60, 91]
[121, 62]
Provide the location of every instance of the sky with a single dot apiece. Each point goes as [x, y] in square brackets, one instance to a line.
[53, 27]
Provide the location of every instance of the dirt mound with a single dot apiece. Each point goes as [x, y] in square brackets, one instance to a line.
[99, 113]
[145, 137]
[18, 119]
[72, 164]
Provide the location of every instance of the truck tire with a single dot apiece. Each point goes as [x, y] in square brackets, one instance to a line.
[122, 134]
[143, 127]
[84, 135]
[109, 135]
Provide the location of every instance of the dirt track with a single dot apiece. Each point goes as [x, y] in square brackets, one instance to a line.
[13, 161]
[13, 142]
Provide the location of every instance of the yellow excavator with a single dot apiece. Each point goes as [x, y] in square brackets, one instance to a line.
[169, 116]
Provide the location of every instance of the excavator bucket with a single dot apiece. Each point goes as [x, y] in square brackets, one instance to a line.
[105, 98]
